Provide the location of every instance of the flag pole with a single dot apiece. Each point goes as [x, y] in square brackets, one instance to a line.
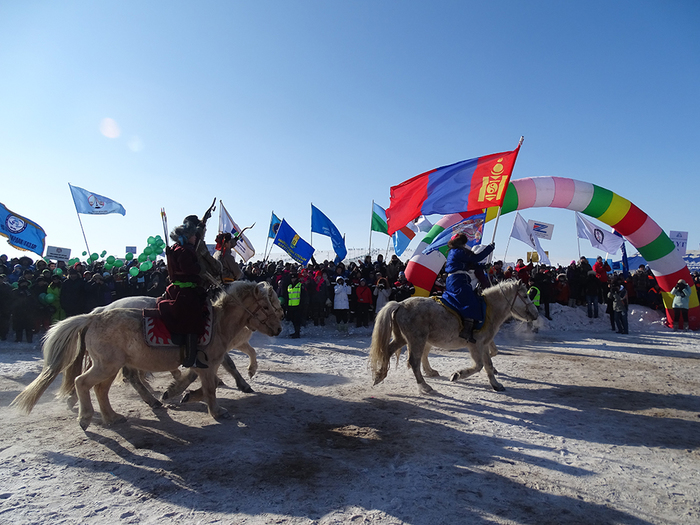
[164, 218]
[371, 216]
[578, 242]
[267, 241]
[498, 215]
[81, 222]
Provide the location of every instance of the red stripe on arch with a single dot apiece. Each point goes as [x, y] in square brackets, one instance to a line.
[631, 222]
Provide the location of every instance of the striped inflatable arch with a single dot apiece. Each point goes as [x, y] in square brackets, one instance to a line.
[639, 229]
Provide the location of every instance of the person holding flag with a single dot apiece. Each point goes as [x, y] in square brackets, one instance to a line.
[230, 271]
[459, 294]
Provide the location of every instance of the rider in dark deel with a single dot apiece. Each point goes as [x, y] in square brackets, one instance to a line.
[183, 306]
[459, 293]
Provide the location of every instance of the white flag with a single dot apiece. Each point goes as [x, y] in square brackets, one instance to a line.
[523, 232]
[421, 224]
[599, 238]
[226, 225]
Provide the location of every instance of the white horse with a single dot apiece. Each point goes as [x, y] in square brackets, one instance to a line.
[420, 323]
[114, 339]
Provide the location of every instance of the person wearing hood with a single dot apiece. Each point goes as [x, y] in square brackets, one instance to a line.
[341, 303]
[681, 302]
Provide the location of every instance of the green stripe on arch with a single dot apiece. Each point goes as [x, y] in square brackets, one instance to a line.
[658, 248]
[600, 202]
[510, 200]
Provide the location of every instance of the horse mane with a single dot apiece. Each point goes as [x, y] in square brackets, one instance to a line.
[233, 293]
[506, 285]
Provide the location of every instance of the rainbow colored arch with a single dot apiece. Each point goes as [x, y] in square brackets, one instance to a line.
[608, 207]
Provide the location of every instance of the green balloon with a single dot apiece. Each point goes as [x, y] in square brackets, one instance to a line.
[42, 297]
[129, 256]
[148, 250]
[94, 257]
[133, 271]
[58, 271]
[159, 239]
[118, 263]
[104, 252]
[84, 253]
[145, 266]
[142, 257]
[151, 240]
[50, 298]
[111, 259]
[107, 267]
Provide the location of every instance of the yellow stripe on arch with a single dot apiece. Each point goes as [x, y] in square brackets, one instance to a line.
[619, 207]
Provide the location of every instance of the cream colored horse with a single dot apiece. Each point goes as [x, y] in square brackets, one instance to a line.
[114, 339]
[420, 323]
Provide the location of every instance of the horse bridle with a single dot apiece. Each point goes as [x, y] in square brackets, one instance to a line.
[517, 296]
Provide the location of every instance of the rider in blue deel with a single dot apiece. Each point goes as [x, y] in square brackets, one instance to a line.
[459, 293]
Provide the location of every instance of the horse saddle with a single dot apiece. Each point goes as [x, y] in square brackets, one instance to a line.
[477, 324]
[158, 335]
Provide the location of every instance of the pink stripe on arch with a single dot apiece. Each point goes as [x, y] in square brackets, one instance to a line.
[563, 192]
[647, 232]
[527, 192]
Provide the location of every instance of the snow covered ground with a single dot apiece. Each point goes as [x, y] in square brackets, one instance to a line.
[594, 427]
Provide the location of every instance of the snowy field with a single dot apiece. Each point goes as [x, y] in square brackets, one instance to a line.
[594, 427]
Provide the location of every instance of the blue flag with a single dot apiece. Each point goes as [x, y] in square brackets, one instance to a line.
[323, 225]
[94, 204]
[274, 225]
[287, 239]
[472, 227]
[21, 233]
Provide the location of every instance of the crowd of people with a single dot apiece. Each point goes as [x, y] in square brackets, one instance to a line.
[36, 293]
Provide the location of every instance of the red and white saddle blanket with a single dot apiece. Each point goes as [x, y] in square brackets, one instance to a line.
[156, 334]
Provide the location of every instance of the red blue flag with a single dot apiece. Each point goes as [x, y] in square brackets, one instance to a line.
[470, 185]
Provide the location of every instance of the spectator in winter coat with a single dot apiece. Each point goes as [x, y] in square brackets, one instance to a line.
[402, 288]
[53, 299]
[523, 271]
[5, 306]
[592, 289]
[363, 295]
[73, 294]
[620, 305]
[341, 303]
[23, 310]
[382, 292]
[681, 302]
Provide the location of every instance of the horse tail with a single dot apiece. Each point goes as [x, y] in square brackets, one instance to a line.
[64, 349]
[379, 352]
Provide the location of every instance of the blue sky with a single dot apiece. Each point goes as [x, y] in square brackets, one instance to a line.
[272, 105]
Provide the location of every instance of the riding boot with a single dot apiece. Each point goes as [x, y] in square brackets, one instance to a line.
[191, 359]
[468, 331]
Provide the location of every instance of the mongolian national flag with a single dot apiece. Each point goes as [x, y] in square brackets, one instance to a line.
[401, 238]
[470, 185]
[287, 239]
[21, 233]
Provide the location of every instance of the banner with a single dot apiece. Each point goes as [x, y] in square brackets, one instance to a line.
[274, 225]
[21, 233]
[599, 238]
[94, 204]
[287, 239]
[401, 238]
[227, 225]
[680, 239]
[522, 232]
[543, 230]
[58, 254]
[470, 185]
[323, 225]
[472, 227]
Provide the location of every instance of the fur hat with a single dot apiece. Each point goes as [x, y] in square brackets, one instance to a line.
[190, 226]
[221, 239]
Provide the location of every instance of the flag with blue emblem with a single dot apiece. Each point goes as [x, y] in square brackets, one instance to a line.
[21, 233]
[296, 247]
[90, 203]
[323, 225]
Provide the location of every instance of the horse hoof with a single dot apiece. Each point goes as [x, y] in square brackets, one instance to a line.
[426, 389]
[116, 421]
[432, 373]
[454, 377]
[247, 390]
[156, 405]
[223, 415]
[84, 423]
[185, 397]
[164, 396]
[498, 387]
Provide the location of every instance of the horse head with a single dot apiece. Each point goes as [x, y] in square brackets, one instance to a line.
[268, 313]
[522, 307]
